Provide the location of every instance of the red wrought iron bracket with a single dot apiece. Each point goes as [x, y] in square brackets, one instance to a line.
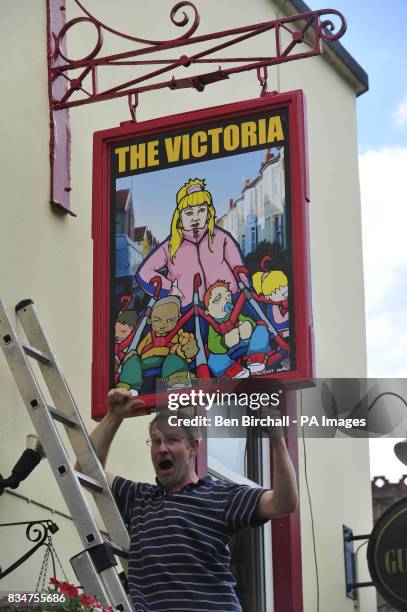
[74, 82]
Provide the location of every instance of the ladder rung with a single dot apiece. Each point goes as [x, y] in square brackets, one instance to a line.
[36, 354]
[89, 482]
[63, 418]
[118, 550]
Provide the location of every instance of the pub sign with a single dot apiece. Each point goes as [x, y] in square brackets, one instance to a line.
[201, 272]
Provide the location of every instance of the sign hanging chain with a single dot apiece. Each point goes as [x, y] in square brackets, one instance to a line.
[262, 78]
[50, 552]
[40, 586]
[133, 104]
[59, 562]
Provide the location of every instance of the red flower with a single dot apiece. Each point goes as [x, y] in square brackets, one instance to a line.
[84, 601]
[69, 589]
[73, 591]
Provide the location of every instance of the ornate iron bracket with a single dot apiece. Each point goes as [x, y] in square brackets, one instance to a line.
[294, 37]
[74, 82]
[36, 531]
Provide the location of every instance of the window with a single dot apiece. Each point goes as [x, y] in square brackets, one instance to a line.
[247, 461]
[277, 234]
[267, 230]
[253, 238]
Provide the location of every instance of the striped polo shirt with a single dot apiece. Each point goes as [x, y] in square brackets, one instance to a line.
[179, 555]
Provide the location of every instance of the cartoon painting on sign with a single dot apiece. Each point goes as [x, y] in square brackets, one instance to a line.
[202, 268]
[201, 252]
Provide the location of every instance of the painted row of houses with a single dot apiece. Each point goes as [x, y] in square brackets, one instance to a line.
[259, 213]
[133, 244]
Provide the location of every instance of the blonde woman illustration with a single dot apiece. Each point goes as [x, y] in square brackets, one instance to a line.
[196, 245]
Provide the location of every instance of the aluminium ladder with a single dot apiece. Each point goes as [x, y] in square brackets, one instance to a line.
[94, 567]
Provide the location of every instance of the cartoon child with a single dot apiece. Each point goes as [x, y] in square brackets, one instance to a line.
[125, 323]
[123, 329]
[272, 288]
[225, 339]
[170, 352]
[196, 244]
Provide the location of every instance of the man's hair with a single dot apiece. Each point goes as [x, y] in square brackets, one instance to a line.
[191, 432]
[208, 293]
[127, 317]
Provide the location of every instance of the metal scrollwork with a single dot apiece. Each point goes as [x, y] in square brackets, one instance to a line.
[326, 27]
[36, 531]
[62, 34]
[100, 26]
[303, 35]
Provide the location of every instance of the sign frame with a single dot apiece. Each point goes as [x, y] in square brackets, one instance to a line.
[292, 103]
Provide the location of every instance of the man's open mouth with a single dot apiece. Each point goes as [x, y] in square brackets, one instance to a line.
[166, 464]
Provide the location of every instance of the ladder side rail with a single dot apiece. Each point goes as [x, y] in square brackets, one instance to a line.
[104, 500]
[106, 585]
[89, 579]
[79, 439]
[34, 330]
[49, 436]
[111, 580]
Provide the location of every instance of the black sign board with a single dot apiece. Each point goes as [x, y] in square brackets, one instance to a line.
[387, 555]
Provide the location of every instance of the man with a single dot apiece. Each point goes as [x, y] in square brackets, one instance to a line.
[180, 528]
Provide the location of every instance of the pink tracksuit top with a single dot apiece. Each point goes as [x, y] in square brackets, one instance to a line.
[194, 255]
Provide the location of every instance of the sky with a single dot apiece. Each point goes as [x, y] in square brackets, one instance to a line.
[377, 40]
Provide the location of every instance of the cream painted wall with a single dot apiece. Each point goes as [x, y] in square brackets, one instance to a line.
[49, 258]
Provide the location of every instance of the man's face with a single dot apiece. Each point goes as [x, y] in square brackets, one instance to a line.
[164, 318]
[171, 455]
[122, 331]
[194, 217]
[220, 302]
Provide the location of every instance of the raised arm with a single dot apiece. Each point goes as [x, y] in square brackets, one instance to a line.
[283, 498]
[121, 404]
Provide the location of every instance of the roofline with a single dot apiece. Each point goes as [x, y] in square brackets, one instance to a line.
[334, 51]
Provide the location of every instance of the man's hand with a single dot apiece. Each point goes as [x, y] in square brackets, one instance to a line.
[121, 403]
[275, 431]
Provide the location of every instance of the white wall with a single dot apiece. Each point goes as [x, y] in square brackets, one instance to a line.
[48, 257]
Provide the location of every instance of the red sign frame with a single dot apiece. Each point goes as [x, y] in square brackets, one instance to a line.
[291, 103]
